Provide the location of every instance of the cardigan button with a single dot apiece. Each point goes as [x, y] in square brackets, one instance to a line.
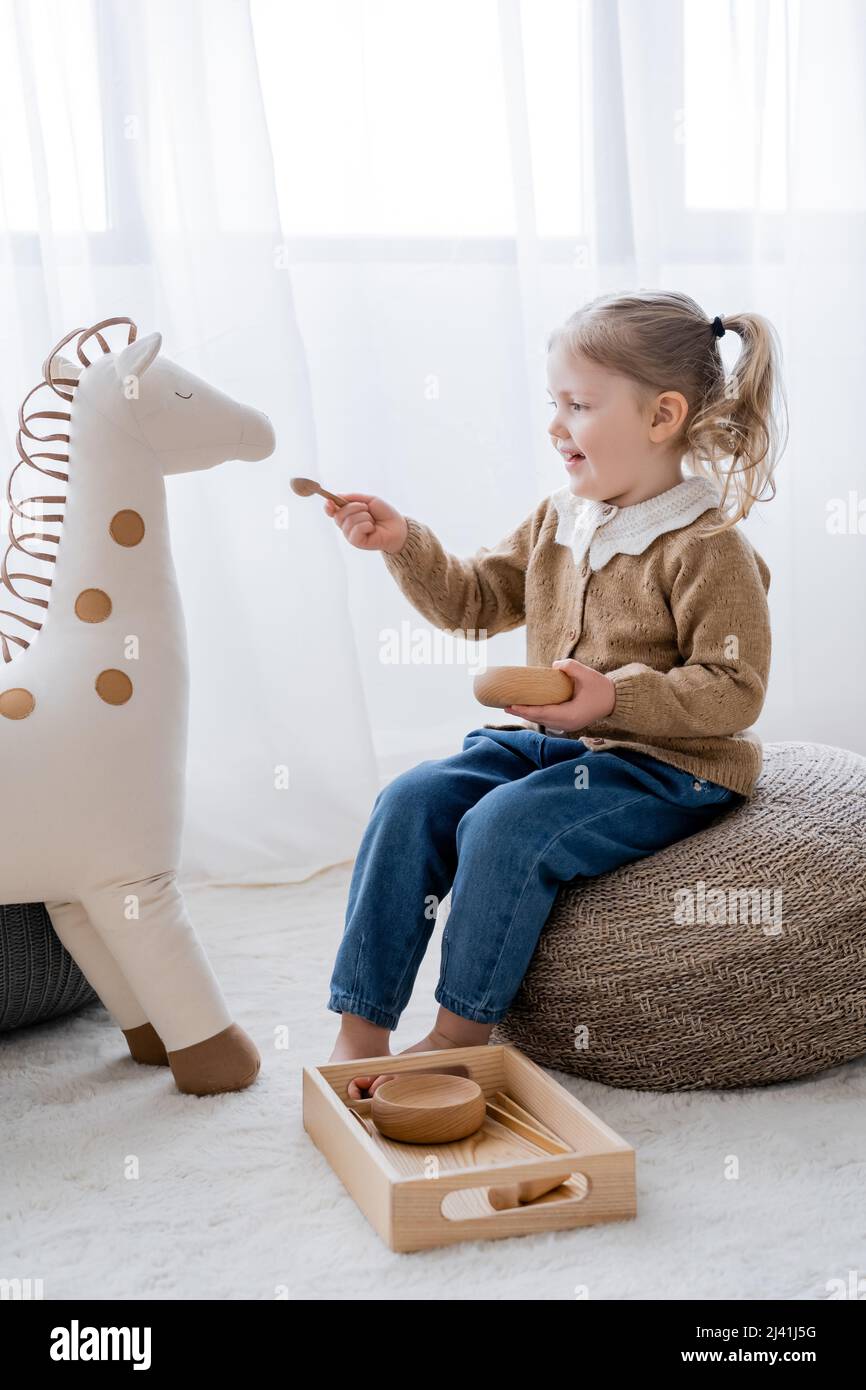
[596, 740]
[572, 633]
[606, 511]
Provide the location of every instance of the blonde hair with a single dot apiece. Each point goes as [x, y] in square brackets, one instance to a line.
[664, 341]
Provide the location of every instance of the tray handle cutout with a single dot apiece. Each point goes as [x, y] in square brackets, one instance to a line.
[432, 1212]
[453, 1204]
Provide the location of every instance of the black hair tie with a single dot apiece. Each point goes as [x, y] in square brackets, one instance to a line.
[718, 327]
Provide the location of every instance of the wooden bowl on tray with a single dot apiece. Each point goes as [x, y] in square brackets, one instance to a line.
[428, 1108]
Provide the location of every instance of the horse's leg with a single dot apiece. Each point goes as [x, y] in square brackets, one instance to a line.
[102, 971]
[147, 928]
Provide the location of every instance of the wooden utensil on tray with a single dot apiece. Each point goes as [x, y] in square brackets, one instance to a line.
[428, 1109]
[507, 1112]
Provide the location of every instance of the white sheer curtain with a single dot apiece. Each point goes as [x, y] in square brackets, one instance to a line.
[493, 169]
[364, 217]
[137, 179]
[507, 162]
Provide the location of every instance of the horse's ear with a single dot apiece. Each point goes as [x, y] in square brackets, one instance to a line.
[135, 359]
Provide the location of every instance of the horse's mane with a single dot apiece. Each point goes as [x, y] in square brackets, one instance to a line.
[64, 387]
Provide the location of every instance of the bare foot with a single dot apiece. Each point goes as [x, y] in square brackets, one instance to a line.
[434, 1041]
[364, 1087]
[449, 1030]
[358, 1037]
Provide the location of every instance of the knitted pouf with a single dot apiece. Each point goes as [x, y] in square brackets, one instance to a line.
[758, 987]
[38, 977]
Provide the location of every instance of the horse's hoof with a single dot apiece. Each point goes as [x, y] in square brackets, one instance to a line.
[229, 1061]
[145, 1045]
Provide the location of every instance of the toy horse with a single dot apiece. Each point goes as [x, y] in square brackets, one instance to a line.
[93, 707]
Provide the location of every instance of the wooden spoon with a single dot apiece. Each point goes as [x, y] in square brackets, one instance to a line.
[306, 487]
[508, 1113]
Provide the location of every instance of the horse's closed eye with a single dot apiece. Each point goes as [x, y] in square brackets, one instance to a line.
[184, 398]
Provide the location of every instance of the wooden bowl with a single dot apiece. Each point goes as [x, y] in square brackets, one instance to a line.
[428, 1109]
[522, 685]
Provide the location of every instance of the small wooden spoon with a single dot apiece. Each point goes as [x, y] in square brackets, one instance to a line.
[515, 1194]
[306, 487]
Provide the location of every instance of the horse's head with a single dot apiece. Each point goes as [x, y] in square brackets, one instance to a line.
[186, 423]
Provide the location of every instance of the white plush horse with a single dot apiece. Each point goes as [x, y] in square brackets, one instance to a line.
[93, 707]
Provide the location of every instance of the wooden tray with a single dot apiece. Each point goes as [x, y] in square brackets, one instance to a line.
[420, 1196]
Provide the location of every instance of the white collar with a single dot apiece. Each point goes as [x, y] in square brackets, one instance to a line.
[605, 530]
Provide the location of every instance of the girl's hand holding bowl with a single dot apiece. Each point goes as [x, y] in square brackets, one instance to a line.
[594, 698]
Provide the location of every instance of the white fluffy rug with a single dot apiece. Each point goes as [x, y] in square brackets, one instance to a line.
[116, 1186]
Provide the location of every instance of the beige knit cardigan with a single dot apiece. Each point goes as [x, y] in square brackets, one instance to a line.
[682, 629]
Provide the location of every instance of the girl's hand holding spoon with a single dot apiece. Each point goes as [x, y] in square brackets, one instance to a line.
[368, 523]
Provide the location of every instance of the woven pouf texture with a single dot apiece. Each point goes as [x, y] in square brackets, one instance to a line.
[760, 987]
[38, 977]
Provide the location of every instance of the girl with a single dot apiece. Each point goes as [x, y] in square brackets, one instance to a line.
[633, 579]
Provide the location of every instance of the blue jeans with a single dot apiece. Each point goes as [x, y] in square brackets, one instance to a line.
[501, 824]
